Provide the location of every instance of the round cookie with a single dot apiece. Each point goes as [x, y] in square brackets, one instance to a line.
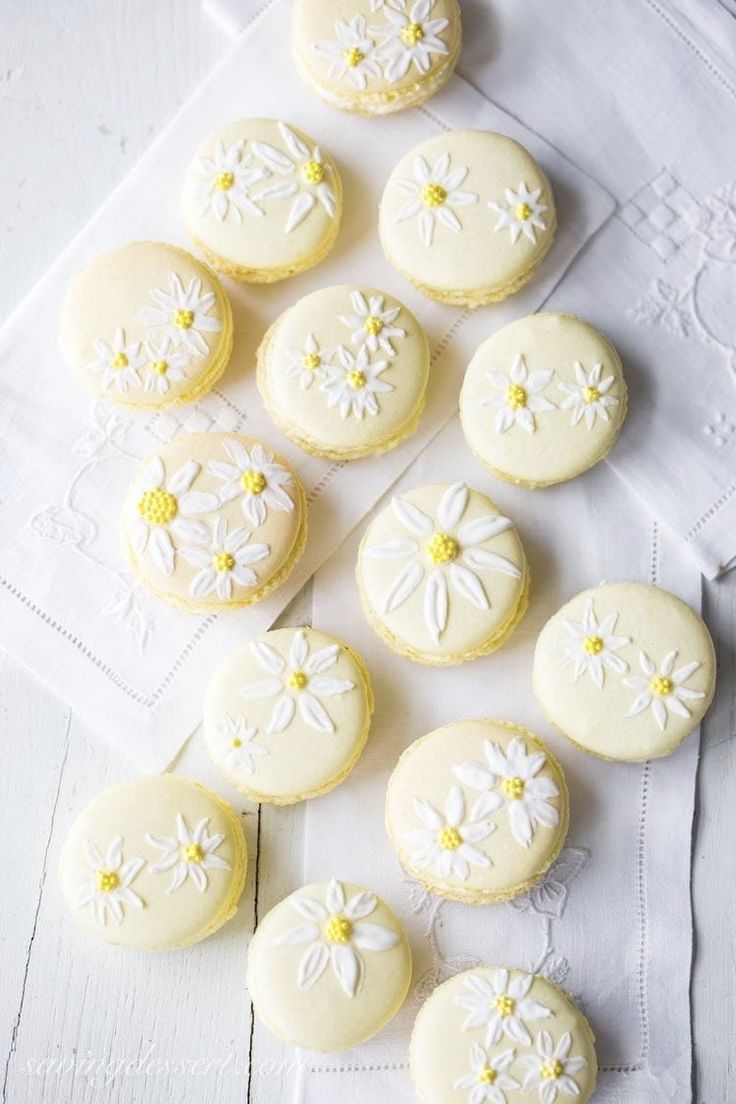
[344, 372]
[543, 400]
[442, 576]
[625, 670]
[477, 811]
[467, 217]
[147, 325]
[287, 715]
[375, 56]
[328, 967]
[497, 1035]
[262, 201]
[157, 863]
[214, 521]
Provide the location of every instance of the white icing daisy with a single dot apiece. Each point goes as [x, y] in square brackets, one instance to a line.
[351, 54]
[234, 745]
[591, 646]
[519, 396]
[521, 213]
[164, 506]
[502, 1006]
[225, 180]
[182, 315]
[227, 559]
[371, 325]
[663, 690]
[448, 842]
[190, 854]
[256, 478]
[309, 363]
[118, 362]
[335, 932]
[588, 397]
[488, 1078]
[376, 5]
[432, 193]
[307, 173]
[452, 551]
[410, 37]
[525, 796]
[353, 383]
[105, 884]
[164, 365]
[300, 681]
[550, 1069]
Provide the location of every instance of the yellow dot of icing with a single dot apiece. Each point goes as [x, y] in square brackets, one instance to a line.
[373, 325]
[120, 360]
[193, 853]
[225, 181]
[184, 319]
[339, 929]
[357, 379]
[411, 33]
[107, 880]
[591, 394]
[159, 367]
[486, 1075]
[223, 561]
[593, 645]
[433, 195]
[298, 680]
[158, 506]
[254, 482]
[311, 362]
[523, 212]
[514, 788]
[505, 1006]
[353, 56]
[515, 396]
[552, 1071]
[662, 686]
[442, 548]
[313, 172]
[449, 838]
[236, 742]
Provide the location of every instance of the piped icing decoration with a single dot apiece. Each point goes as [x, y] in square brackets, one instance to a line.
[588, 396]
[353, 383]
[256, 478]
[224, 559]
[550, 1071]
[448, 842]
[352, 55]
[189, 854]
[118, 362]
[309, 363]
[591, 646]
[165, 506]
[236, 747]
[225, 181]
[372, 324]
[298, 681]
[305, 177]
[511, 780]
[488, 1078]
[521, 214]
[335, 932]
[182, 315]
[432, 195]
[502, 1005]
[518, 397]
[105, 882]
[442, 553]
[662, 690]
[164, 364]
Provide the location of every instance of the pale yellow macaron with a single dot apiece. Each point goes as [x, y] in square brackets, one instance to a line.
[147, 325]
[344, 372]
[499, 1035]
[214, 521]
[262, 200]
[467, 216]
[543, 399]
[625, 670]
[329, 966]
[375, 56]
[477, 811]
[156, 864]
[287, 715]
[442, 576]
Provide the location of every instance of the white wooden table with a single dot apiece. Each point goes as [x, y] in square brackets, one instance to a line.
[84, 87]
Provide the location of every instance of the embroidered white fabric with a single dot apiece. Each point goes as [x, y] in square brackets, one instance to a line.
[134, 669]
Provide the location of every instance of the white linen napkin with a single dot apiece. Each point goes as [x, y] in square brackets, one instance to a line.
[134, 669]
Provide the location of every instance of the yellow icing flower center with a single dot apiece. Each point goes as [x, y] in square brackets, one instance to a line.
[236, 742]
[514, 788]
[254, 482]
[442, 548]
[311, 362]
[411, 33]
[357, 379]
[449, 838]
[373, 325]
[223, 561]
[593, 645]
[313, 172]
[515, 396]
[523, 212]
[193, 853]
[433, 195]
[339, 929]
[661, 686]
[298, 680]
[120, 360]
[552, 1071]
[225, 181]
[486, 1075]
[107, 881]
[158, 506]
[159, 367]
[353, 56]
[505, 1006]
[591, 394]
[184, 319]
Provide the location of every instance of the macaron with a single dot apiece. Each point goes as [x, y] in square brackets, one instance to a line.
[499, 1035]
[625, 670]
[442, 576]
[214, 521]
[286, 716]
[543, 399]
[375, 56]
[344, 372]
[477, 811]
[157, 863]
[329, 966]
[467, 216]
[262, 200]
[147, 325]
